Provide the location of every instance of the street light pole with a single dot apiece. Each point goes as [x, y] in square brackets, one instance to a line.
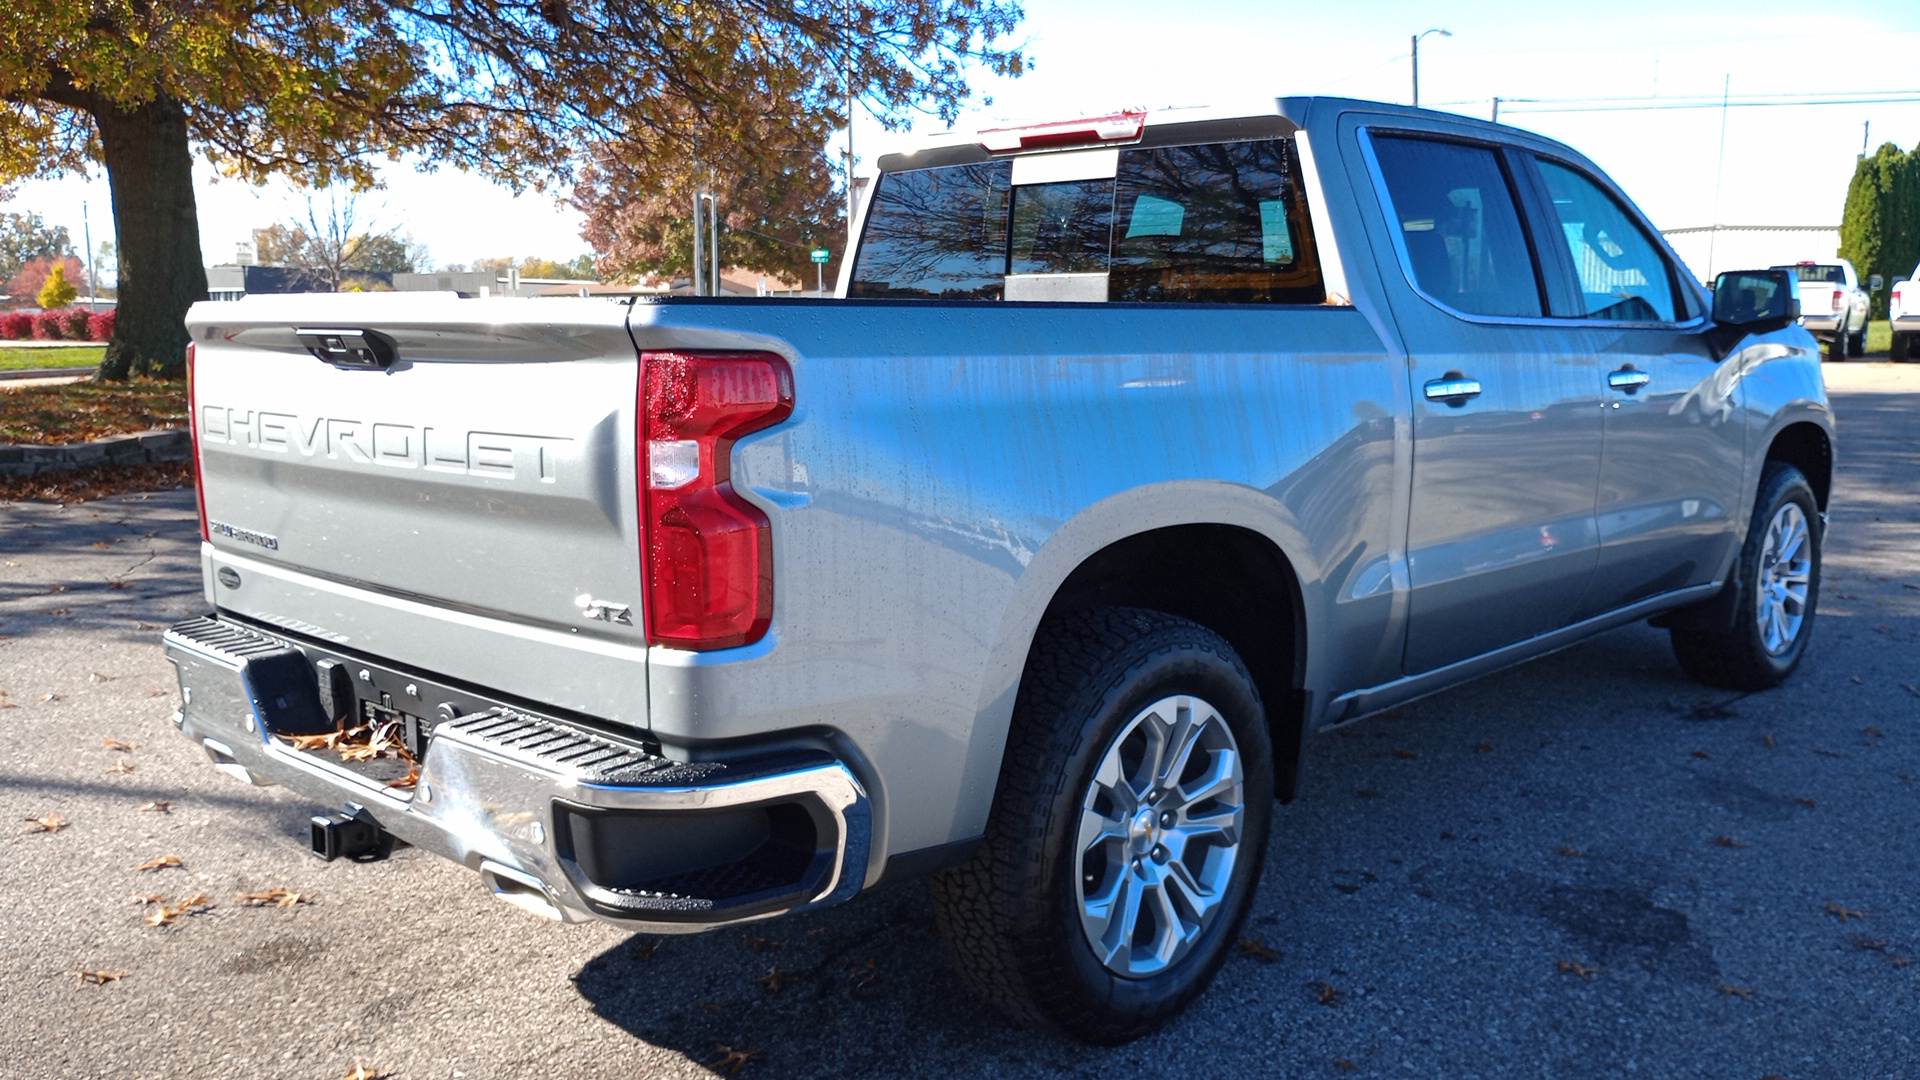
[1416, 59]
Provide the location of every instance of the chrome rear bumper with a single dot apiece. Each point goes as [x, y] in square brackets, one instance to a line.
[559, 819]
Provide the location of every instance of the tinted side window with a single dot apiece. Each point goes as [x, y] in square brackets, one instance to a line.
[936, 234]
[1622, 276]
[1220, 222]
[1456, 215]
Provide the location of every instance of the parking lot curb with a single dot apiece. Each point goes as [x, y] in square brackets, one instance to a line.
[138, 448]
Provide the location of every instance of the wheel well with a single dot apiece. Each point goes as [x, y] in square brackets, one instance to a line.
[1231, 580]
[1805, 447]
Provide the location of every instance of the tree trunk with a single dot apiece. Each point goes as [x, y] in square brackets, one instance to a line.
[150, 169]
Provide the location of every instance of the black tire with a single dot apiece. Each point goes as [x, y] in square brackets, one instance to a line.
[1837, 346]
[1738, 658]
[1901, 348]
[1011, 915]
[1857, 344]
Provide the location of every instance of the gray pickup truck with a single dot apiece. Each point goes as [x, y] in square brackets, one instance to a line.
[1133, 451]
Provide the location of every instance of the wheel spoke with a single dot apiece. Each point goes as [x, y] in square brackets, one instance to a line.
[1223, 775]
[1170, 930]
[1221, 827]
[1116, 935]
[1097, 829]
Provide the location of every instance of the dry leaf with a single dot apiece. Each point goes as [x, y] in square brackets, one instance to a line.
[1483, 747]
[159, 806]
[276, 897]
[44, 823]
[112, 743]
[1872, 944]
[1256, 946]
[1767, 741]
[725, 1058]
[411, 779]
[774, 980]
[121, 766]
[1701, 754]
[50, 696]
[97, 677]
[1575, 967]
[1745, 993]
[1724, 840]
[167, 914]
[1843, 913]
[97, 978]
[56, 587]
[645, 951]
[156, 693]
[145, 898]
[760, 944]
[1570, 852]
[1873, 730]
[361, 1072]
[1404, 755]
[98, 544]
[1344, 1065]
[1808, 803]
[709, 1006]
[1325, 992]
[160, 863]
[862, 975]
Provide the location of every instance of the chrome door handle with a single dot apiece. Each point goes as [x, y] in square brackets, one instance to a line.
[1453, 388]
[1628, 379]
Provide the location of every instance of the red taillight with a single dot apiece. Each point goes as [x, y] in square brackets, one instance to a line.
[1839, 302]
[193, 427]
[706, 553]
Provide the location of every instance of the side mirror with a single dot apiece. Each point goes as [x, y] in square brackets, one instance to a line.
[1875, 282]
[1753, 302]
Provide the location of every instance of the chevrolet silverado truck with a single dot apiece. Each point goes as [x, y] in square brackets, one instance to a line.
[1133, 451]
[1834, 306]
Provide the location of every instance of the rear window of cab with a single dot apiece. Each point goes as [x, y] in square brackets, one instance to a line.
[1208, 223]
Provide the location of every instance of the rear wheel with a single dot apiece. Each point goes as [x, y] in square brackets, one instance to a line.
[1128, 831]
[1857, 343]
[1837, 345]
[1901, 348]
[1779, 587]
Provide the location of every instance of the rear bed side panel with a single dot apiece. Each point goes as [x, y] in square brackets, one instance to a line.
[446, 514]
[947, 465]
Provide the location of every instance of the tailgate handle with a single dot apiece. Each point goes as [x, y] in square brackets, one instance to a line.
[351, 348]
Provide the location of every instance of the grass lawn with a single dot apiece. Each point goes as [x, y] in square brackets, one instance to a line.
[76, 412]
[20, 358]
[1879, 336]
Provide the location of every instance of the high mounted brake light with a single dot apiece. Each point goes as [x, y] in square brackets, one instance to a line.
[193, 429]
[706, 553]
[1125, 126]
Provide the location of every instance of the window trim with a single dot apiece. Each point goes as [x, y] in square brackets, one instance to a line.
[1378, 177]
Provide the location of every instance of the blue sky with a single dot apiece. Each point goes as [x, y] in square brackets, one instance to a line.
[1782, 165]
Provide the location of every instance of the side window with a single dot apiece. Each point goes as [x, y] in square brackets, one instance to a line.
[1622, 275]
[1455, 212]
[936, 234]
[1218, 222]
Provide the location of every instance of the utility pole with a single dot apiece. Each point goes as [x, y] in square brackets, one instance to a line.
[1496, 110]
[86, 237]
[1866, 136]
[1416, 59]
[713, 244]
[1713, 237]
[699, 260]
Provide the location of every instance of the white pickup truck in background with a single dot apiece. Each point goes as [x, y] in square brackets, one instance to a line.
[1833, 306]
[1903, 311]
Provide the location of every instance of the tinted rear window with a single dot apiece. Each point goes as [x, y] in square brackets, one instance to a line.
[1829, 275]
[936, 234]
[1220, 222]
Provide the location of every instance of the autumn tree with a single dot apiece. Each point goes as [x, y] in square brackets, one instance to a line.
[57, 291]
[27, 282]
[323, 91]
[23, 236]
[639, 207]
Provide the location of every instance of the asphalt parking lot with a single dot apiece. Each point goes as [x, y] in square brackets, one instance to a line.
[1584, 867]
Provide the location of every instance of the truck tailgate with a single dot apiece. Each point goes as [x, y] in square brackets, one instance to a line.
[487, 473]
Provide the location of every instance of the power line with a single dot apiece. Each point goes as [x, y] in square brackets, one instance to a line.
[1745, 101]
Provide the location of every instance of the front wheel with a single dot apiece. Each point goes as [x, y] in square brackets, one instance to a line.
[1779, 587]
[1857, 344]
[1127, 833]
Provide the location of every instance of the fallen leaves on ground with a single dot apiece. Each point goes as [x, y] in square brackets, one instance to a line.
[44, 823]
[160, 862]
[165, 914]
[1806, 802]
[861, 975]
[726, 1058]
[759, 944]
[124, 747]
[158, 806]
[1701, 754]
[121, 766]
[645, 950]
[97, 978]
[276, 897]
[775, 979]
[1256, 946]
[1723, 840]
[1843, 913]
[1404, 755]
[1727, 989]
[1325, 992]
[1575, 967]
[1570, 852]
[361, 1072]
[1346, 1065]
[84, 411]
[96, 677]
[97, 481]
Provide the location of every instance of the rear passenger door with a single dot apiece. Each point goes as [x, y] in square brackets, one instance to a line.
[1502, 541]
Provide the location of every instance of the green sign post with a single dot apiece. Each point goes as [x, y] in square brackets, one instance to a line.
[820, 257]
